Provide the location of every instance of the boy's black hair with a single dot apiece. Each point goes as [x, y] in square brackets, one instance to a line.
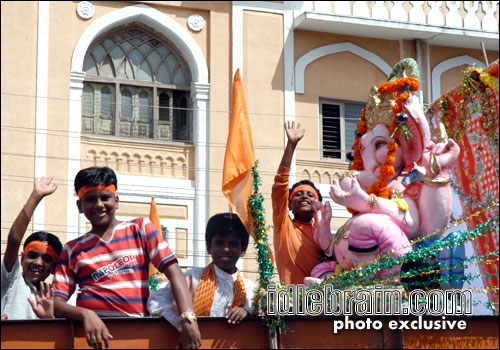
[94, 176]
[424, 281]
[43, 236]
[305, 182]
[224, 223]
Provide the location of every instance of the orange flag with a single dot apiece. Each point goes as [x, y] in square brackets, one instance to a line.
[237, 178]
[155, 219]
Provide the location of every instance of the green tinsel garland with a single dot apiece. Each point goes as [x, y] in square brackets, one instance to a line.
[356, 276]
[364, 275]
[266, 268]
[153, 283]
[359, 278]
[437, 246]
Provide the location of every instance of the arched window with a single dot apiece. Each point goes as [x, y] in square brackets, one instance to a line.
[138, 84]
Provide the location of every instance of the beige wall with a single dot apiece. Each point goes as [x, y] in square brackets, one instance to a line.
[18, 76]
[264, 84]
[60, 53]
[341, 76]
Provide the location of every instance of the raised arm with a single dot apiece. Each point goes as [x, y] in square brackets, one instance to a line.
[294, 135]
[41, 188]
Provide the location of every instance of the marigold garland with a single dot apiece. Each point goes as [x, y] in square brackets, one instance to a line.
[362, 127]
[400, 86]
[397, 85]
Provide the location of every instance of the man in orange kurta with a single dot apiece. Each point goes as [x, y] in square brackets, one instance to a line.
[296, 251]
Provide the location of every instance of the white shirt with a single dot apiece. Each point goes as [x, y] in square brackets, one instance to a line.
[161, 302]
[16, 290]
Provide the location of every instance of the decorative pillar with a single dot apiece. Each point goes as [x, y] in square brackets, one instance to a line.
[41, 112]
[200, 93]
[75, 226]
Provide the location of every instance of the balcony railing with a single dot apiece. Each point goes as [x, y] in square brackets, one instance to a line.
[473, 15]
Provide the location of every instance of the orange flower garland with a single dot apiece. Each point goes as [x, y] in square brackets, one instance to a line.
[357, 163]
[395, 86]
[379, 188]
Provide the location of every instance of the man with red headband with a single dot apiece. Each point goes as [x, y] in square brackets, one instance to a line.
[25, 295]
[296, 251]
[110, 264]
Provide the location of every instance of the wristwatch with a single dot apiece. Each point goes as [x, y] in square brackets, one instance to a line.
[189, 316]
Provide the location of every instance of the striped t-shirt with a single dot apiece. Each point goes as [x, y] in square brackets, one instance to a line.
[112, 276]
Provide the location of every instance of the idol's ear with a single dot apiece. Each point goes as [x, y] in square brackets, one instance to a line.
[419, 128]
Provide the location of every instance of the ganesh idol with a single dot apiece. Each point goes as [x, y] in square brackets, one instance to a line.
[398, 187]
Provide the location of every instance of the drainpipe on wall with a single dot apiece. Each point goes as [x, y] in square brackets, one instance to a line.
[418, 50]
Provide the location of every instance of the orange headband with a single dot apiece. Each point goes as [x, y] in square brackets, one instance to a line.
[101, 186]
[43, 246]
[304, 188]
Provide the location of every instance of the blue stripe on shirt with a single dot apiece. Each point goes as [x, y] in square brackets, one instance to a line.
[134, 236]
[152, 234]
[113, 299]
[166, 260]
[61, 294]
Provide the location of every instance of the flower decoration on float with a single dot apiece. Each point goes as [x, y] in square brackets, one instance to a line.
[385, 105]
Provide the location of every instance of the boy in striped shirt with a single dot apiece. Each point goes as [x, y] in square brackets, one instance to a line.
[110, 264]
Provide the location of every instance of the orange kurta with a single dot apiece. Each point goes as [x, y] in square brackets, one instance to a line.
[296, 251]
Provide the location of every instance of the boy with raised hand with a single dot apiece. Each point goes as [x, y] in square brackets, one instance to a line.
[25, 295]
[218, 290]
[110, 264]
[296, 251]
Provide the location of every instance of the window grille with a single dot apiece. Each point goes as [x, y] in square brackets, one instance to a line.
[338, 122]
[136, 85]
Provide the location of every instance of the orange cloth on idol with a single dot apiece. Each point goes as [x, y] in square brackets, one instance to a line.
[294, 246]
[205, 291]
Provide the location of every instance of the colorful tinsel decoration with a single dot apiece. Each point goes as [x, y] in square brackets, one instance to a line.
[403, 118]
[266, 268]
[153, 283]
[363, 276]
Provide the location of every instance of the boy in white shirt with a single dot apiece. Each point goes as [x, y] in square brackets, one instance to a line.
[218, 290]
[25, 295]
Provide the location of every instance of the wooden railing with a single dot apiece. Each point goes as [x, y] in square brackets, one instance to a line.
[305, 332]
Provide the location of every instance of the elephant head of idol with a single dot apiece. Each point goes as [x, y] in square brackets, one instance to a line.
[392, 133]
